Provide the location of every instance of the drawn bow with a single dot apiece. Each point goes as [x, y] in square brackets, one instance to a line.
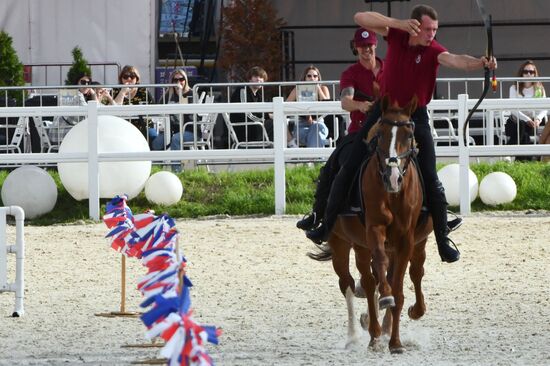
[488, 80]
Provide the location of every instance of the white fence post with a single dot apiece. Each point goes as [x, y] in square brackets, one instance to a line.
[463, 157]
[279, 145]
[93, 162]
[19, 249]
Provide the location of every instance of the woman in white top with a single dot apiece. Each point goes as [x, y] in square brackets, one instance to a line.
[522, 125]
[312, 132]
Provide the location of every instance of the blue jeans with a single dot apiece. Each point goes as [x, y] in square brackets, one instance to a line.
[175, 143]
[312, 135]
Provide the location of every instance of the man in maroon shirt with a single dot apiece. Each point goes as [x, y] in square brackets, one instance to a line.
[410, 68]
[357, 85]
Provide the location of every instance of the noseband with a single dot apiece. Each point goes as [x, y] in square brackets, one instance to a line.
[395, 161]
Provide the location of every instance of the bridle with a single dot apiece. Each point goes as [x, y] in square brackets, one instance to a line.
[395, 161]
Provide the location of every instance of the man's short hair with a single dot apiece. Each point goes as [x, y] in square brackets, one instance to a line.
[419, 10]
[257, 71]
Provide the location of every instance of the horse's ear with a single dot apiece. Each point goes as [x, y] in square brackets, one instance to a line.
[411, 106]
[385, 103]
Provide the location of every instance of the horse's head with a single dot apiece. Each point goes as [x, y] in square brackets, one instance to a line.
[396, 146]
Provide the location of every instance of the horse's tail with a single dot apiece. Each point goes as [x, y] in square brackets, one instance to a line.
[324, 254]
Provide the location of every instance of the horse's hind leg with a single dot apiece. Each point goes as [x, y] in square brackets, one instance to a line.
[416, 272]
[340, 262]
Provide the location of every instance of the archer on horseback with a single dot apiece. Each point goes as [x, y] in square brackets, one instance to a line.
[410, 68]
[358, 85]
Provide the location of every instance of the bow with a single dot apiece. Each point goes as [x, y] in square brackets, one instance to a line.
[487, 22]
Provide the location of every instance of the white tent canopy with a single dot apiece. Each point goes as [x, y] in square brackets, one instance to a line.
[45, 31]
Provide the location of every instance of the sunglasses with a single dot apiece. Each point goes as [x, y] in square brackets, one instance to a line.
[178, 79]
[529, 72]
[85, 82]
[312, 76]
[129, 76]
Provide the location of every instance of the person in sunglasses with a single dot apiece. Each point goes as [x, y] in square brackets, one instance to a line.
[521, 126]
[312, 131]
[180, 93]
[132, 95]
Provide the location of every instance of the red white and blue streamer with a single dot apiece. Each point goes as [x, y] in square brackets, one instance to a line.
[165, 286]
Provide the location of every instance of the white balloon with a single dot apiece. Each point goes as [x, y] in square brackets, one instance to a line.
[449, 177]
[115, 178]
[30, 188]
[163, 188]
[497, 188]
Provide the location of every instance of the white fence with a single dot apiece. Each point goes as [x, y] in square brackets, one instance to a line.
[19, 250]
[279, 155]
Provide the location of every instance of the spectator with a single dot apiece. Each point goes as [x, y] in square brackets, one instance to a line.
[178, 94]
[135, 95]
[311, 132]
[61, 125]
[103, 94]
[522, 125]
[251, 93]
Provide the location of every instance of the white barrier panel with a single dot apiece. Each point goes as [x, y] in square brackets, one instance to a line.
[19, 250]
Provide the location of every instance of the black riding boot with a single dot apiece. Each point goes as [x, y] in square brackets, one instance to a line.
[336, 201]
[313, 219]
[439, 216]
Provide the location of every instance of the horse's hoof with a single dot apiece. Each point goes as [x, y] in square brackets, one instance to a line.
[364, 321]
[374, 343]
[386, 302]
[352, 342]
[412, 314]
[397, 350]
[360, 291]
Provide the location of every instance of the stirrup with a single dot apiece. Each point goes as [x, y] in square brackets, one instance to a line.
[455, 223]
[308, 221]
[448, 242]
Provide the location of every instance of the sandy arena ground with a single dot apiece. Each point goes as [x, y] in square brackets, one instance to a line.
[278, 307]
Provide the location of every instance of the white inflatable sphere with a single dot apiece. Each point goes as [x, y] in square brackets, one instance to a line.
[497, 188]
[115, 178]
[449, 177]
[31, 188]
[163, 188]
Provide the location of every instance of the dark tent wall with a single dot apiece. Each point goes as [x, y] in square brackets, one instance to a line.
[329, 48]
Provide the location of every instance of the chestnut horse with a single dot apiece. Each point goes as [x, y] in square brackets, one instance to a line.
[391, 236]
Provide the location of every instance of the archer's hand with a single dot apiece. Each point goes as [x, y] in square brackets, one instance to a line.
[411, 26]
[490, 63]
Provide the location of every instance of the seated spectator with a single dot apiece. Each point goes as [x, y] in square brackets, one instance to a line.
[181, 93]
[251, 93]
[132, 96]
[522, 125]
[62, 124]
[103, 94]
[312, 131]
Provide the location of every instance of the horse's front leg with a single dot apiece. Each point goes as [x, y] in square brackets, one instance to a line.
[416, 272]
[368, 283]
[376, 237]
[401, 259]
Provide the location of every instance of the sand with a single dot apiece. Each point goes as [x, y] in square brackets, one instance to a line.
[278, 307]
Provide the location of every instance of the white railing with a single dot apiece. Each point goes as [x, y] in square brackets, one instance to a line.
[18, 286]
[279, 155]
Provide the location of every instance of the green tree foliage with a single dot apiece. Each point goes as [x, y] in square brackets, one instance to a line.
[79, 68]
[251, 37]
[11, 69]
